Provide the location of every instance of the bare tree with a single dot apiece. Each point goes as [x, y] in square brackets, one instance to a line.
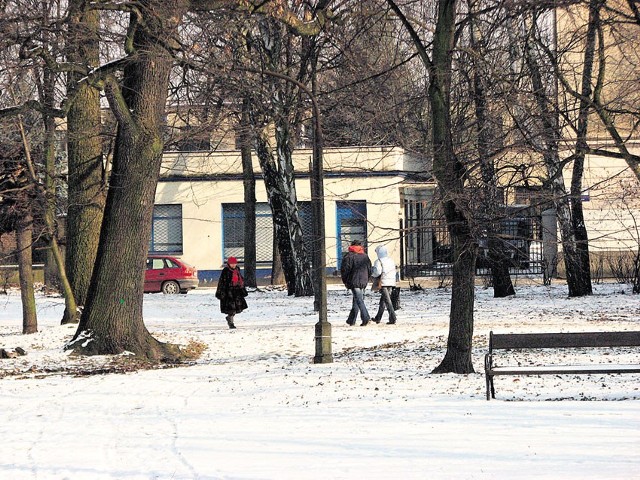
[32, 82]
[450, 173]
[17, 201]
[87, 176]
[488, 144]
[276, 130]
[112, 319]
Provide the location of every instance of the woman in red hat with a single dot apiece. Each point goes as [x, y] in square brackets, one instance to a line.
[231, 291]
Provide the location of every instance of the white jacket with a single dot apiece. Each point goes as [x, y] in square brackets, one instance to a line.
[384, 266]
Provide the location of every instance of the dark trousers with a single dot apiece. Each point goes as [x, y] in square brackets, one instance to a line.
[385, 302]
[358, 305]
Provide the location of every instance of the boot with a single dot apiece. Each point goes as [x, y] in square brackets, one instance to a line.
[230, 322]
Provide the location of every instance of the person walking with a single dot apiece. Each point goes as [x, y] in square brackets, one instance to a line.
[355, 271]
[385, 268]
[231, 291]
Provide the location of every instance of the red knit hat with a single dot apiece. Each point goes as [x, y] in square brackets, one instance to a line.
[232, 260]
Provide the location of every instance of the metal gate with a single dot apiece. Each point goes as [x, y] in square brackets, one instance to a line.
[428, 252]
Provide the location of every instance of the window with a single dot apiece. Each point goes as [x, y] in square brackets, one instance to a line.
[166, 229]
[352, 225]
[160, 263]
[233, 230]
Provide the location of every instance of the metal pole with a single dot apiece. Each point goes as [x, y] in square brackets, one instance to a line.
[323, 327]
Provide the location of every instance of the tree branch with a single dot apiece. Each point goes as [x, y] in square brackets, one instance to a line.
[276, 9]
[419, 44]
[117, 102]
[31, 105]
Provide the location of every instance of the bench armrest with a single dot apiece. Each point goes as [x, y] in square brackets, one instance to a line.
[488, 362]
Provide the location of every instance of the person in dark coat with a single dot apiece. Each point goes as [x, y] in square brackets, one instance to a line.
[231, 291]
[355, 271]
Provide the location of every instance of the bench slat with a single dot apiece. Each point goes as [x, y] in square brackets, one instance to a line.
[564, 369]
[564, 340]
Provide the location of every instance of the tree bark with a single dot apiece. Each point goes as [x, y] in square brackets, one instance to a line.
[277, 272]
[498, 261]
[280, 186]
[554, 166]
[112, 322]
[48, 200]
[583, 283]
[274, 150]
[449, 172]
[457, 358]
[86, 183]
[249, 182]
[24, 241]
[51, 279]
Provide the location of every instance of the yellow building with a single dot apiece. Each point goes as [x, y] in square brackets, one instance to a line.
[198, 211]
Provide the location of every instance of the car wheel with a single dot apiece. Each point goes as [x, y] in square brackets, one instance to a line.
[170, 287]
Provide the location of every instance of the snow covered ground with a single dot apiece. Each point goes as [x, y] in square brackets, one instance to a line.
[256, 407]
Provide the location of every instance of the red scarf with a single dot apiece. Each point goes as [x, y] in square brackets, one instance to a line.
[356, 249]
[236, 278]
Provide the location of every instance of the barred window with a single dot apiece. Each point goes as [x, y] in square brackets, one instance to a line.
[233, 230]
[166, 229]
[352, 225]
[305, 210]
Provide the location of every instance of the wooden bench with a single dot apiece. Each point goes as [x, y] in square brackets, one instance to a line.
[532, 341]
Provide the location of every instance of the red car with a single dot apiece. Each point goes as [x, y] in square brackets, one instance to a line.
[169, 275]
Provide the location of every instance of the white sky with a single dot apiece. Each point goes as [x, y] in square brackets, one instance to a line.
[256, 407]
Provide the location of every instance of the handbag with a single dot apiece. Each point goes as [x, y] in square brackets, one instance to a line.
[377, 281]
[395, 298]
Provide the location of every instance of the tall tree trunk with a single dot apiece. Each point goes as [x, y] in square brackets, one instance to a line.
[87, 191]
[277, 169]
[24, 242]
[48, 198]
[277, 272]
[43, 199]
[450, 175]
[583, 284]
[275, 156]
[47, 93]
[499, 262]
[51, 280]
[554, 166]
[449, 172]
[111, 322]
[249, 182]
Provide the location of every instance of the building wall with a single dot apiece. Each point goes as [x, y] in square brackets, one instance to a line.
[201, 183]
[621, 74]
[611, 195]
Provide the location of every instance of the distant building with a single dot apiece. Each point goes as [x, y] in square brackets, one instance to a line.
[199, 214]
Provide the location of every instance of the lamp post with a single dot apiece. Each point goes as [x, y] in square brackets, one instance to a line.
[323, 327]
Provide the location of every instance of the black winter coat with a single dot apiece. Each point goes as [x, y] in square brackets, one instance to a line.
[355, 270]
[231, 297]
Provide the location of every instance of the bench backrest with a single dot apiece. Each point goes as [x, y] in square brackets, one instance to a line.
[563, 340]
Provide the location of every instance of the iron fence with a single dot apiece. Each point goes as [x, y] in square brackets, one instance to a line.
[428, 251]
